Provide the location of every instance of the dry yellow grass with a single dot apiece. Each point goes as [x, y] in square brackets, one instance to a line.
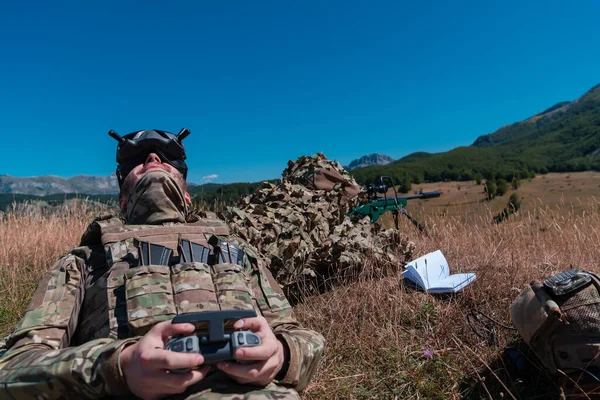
[549, 191]
[30, 241]
[380, 333]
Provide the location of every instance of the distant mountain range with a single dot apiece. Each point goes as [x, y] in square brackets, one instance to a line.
[107, 185]
[49, 184]
[369, 160]
[564, 137]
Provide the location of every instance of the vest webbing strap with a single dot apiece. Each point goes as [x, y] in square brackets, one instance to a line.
[148, 231]
[117, 304]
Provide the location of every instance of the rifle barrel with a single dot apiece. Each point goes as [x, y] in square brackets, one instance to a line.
[424, 195]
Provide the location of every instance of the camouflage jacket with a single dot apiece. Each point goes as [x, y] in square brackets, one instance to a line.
[97, 299]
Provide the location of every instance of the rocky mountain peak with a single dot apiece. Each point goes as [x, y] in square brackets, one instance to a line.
[369, 160]
[49, 184]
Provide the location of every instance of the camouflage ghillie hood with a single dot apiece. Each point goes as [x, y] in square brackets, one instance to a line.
[318, 173]
[156, 199]
[302, 227]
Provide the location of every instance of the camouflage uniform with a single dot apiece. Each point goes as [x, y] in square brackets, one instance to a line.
[301, 226]
[97, 299]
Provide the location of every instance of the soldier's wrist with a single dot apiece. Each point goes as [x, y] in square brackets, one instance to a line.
[286, 359]
[113, 371]
[124, 358]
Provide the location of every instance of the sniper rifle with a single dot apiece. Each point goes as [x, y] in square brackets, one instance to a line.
[377, 205]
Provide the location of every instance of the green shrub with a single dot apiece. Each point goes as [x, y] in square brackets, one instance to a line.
[514, 202]
[489, 189]
[501, 187]
[516, 182]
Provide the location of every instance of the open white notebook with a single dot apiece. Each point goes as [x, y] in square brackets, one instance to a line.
[431, 273]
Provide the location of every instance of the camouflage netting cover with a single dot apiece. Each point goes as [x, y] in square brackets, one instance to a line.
[302, 227]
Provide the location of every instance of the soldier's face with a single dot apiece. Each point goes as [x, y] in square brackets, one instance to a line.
[153, 162]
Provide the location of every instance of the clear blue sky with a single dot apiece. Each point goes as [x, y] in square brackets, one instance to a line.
[262, 82]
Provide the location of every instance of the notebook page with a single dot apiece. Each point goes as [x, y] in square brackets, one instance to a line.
[453, 283]
[431, 268]
[412, 274]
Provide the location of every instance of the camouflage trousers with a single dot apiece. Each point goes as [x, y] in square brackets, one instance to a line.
[218, 386]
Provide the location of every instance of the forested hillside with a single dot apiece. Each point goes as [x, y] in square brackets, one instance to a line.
[564, 138]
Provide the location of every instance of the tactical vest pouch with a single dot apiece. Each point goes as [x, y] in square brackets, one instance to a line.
[232, 284]
[149, 295]
[272, 291]
[136, 301]
[193, 287]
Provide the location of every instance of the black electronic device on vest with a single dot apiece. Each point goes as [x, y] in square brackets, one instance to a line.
[567, 281]
[226, 253]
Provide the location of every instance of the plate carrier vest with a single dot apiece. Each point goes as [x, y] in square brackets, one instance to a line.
[139, 296]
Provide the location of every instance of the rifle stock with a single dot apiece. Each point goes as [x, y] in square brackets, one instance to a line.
[376, 208]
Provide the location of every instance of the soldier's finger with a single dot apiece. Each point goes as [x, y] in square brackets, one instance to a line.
[166, 359]
[256, 324]
[266, 350]
[166, 329]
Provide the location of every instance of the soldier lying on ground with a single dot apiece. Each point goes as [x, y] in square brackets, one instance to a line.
[98, 322]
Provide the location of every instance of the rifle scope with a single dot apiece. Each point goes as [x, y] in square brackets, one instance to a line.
[386, 183]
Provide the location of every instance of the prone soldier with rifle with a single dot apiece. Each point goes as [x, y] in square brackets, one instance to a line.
[161, 303]
[377, 206]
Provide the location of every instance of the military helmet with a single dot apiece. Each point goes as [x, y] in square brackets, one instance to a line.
[133, 149]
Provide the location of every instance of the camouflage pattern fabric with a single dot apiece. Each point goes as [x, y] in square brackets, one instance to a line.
[3, 346]
[563, 330]
[301, 226]
[156, 198]
[216, 386]
[64, 348]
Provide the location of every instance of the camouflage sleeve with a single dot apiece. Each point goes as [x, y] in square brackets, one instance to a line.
[38, 360]
[303, 347]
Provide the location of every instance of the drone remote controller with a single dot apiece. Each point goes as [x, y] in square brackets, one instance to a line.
[216, 346]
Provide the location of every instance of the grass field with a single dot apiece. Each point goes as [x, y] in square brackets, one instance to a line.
[385, 340]
[550, 191]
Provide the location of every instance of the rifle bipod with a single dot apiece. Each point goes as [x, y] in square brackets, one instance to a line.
[416, 223]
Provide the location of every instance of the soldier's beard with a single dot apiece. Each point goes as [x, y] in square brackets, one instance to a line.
[155, 199]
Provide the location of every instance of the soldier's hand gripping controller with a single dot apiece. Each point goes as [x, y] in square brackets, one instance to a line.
[216, 346]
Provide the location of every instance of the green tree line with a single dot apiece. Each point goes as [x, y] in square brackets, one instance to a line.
[564, 138]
